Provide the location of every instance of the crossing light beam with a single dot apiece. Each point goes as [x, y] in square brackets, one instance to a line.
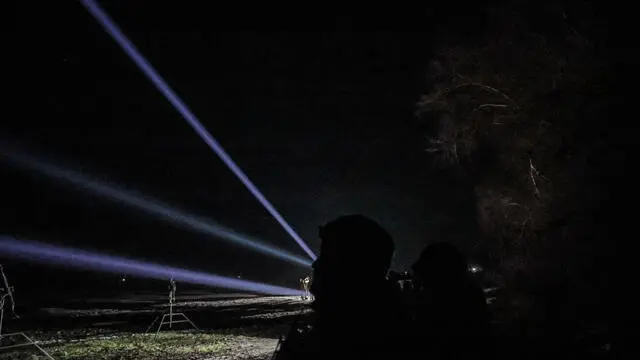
[69, 257]
[149, 205]
[143, 64]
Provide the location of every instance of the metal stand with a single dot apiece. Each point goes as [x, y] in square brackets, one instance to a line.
[29, 342]
[163, 319]
[306, 286]
[7, 292]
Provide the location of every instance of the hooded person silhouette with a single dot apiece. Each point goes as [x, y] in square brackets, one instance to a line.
[451, 312]
[346, 323]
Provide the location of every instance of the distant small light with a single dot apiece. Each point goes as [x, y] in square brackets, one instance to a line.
[123, 280]
[474, 269]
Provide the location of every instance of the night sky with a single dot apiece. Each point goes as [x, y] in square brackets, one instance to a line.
[322, 122]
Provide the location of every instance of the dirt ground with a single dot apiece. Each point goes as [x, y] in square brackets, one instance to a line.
[231, 326]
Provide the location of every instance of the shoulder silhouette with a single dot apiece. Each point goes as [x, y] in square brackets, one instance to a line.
[451, 312]
[357, 312]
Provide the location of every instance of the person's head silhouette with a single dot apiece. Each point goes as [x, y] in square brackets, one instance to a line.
[355, 255]
[440, 264]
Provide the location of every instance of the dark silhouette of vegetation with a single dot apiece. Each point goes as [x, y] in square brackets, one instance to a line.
[519, 113]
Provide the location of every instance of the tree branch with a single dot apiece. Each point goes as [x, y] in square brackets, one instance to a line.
[532, 174]
[484, 106]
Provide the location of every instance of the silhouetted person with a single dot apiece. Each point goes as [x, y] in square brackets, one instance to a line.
[408, 294]
[305, 283]
[348, 324]
[403, 286]
[451, 316]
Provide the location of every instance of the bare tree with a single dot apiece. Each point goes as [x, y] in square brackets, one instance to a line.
[515, 114]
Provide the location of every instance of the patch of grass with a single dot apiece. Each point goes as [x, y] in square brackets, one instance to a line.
[170, 345]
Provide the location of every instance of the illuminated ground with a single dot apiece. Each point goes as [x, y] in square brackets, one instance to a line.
[232, 327]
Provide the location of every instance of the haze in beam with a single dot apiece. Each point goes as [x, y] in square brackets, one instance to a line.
[149, 205]
[143, 64]
[84, 260]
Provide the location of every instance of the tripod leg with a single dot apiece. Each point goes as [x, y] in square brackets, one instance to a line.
[160, 327]
[1, 314]
[37, 346]
[192, 324]
[154, 321]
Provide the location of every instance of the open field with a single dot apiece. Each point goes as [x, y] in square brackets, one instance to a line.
[232, 326]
